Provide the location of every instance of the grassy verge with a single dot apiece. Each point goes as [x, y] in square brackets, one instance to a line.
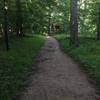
[88, 54]
[16, 64]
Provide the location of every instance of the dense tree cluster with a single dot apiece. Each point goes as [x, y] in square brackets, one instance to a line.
[37, 16]
[26, 15]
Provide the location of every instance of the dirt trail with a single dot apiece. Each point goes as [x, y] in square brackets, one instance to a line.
[59, 77]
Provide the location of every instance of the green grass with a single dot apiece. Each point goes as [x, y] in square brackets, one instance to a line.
[16, 64]
[88, 54]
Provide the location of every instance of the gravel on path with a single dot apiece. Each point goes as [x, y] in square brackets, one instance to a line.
[58, 78]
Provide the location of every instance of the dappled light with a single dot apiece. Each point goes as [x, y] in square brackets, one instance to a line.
[48, 37]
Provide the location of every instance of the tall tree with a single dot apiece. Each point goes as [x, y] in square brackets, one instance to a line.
[74, 23]
[98, 22]
[19, 19]
[6, 24]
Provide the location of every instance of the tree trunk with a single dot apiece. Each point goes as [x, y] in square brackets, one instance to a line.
[49, 25]
[19, 19]
[74, 23]
[6, 25]
[98, 23]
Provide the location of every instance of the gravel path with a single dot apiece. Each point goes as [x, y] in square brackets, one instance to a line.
[59, 77]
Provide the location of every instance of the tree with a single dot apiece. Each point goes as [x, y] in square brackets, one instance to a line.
[98, 21]
[19, 19]
[74, 23]
[6, 24]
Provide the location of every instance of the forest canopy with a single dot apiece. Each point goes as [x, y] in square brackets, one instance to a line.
[20, 17]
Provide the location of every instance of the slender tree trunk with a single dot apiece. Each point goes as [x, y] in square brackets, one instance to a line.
[49, 25]
[49, 21]
[74, 23]
[98, 23]
[6, 25]
[1, 29]
[19, 19]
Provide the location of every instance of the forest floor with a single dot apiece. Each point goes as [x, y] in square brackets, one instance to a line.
[59, 77]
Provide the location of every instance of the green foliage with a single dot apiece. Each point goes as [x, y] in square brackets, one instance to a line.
[88, 54]
[88, 17]
[36, 13]
[16, 64]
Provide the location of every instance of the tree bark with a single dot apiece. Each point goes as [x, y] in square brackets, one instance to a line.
[49, 21]
[98, 23]
[19, 19]
[74, 23]
[49, 25]
[6, 25]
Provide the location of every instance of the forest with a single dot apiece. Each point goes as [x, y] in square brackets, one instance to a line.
[25, 26]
